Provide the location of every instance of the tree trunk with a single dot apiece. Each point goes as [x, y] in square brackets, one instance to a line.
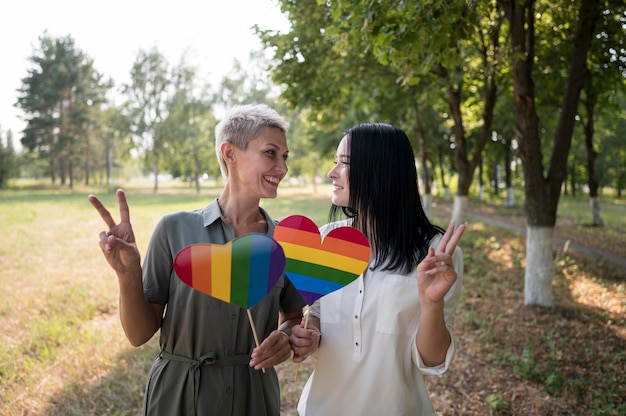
[63, 170]
[70, 173]
[427, 201]
[481, 183]
[508, 176]
[87, 159]
[197, 170]
[539, 266]
[571, 174]
[542, 194]
[421, 141]
[459, 209]
[461, 163]
[596, 213]
[592, 177]
[110, 167]
[155, 172]
[496, 179]
[444, 184]
[155, 166]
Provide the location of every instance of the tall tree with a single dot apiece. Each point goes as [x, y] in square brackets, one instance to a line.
[542, 192]
[355, 86]
[609, 131]
[147, 99]
[60, 96]
[8, 158]
[188, 129]
[112, 144]
[456, 42]
[606, 75]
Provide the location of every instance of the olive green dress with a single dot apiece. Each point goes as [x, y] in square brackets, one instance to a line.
[205, 343]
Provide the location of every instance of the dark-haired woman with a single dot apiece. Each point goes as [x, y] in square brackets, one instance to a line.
[386, 330]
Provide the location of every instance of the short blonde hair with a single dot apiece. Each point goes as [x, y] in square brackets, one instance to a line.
[242, 124]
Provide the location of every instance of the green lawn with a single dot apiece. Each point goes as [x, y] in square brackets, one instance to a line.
[62, 350]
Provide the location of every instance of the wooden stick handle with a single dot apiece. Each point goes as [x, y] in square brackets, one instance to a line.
[306, 325]
[256, 337]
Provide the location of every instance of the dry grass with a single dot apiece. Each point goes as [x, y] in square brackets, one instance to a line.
[62, 351]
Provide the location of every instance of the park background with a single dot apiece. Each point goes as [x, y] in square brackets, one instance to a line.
[516, 113]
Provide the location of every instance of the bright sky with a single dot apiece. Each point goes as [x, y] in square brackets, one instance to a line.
[213, 33]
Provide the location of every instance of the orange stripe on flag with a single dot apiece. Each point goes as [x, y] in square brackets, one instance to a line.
[346, 248]
[298, 237]
[201, 268]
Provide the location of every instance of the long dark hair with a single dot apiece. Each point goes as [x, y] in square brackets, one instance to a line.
[384, 201]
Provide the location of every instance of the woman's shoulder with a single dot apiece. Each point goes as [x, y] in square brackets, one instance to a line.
[183, 215]
[200, 216]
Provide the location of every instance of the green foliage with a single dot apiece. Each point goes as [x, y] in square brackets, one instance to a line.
[496, 401]
[61, 97]
[8, 159]
[187, 132]
[341, 63]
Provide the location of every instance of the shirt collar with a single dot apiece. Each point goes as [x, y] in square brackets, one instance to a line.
[212, 213]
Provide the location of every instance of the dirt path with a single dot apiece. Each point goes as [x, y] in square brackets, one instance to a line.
[599, 243]
[563, 244]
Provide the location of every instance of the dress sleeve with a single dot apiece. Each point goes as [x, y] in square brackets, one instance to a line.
[451, 301]
[157, 266]
[290, 298]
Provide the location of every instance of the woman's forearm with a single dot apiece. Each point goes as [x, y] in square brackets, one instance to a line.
[433, 338]
[140, 319]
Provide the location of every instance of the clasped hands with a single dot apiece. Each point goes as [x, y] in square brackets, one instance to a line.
[278, 347]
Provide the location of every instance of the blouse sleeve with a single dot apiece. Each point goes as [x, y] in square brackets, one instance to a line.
[451, 300]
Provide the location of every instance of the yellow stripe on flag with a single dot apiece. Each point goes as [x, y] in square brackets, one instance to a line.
[220, 271]
[324, 258]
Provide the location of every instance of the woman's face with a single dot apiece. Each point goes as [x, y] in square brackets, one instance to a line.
[259, 169]
[339, 175]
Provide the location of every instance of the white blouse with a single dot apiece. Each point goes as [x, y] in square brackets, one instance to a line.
[368, 363]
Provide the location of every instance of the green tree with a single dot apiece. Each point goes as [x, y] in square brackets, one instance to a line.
[112, 145]
[8, 158]
[447, 48]
[542, 192]
[147, 99]
[610, 131]
[253, 85]
[606, 79]
[189, 150]
[335, 85]
[390, 61]
[60, 97]
[354, 86]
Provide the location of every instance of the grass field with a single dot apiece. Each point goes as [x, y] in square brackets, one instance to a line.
[63, 352]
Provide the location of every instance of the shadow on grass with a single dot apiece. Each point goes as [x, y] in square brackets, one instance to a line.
[118, 391]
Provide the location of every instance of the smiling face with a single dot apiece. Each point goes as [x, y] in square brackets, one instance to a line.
[339, 174]
[259, 168]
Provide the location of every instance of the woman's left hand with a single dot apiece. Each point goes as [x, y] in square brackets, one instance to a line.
[272, 351]
[436, 274]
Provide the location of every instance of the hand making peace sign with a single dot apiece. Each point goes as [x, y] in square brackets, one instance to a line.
[118, 244]
[436, 274]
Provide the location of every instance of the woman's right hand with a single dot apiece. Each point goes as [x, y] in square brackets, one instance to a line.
[118, 243]
[305, 341]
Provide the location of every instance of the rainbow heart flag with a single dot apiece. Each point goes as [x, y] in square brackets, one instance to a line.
[317, 268]
[240, 272]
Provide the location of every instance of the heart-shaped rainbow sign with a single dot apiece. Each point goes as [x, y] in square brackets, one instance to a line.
[240, 272]
[317, 268]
